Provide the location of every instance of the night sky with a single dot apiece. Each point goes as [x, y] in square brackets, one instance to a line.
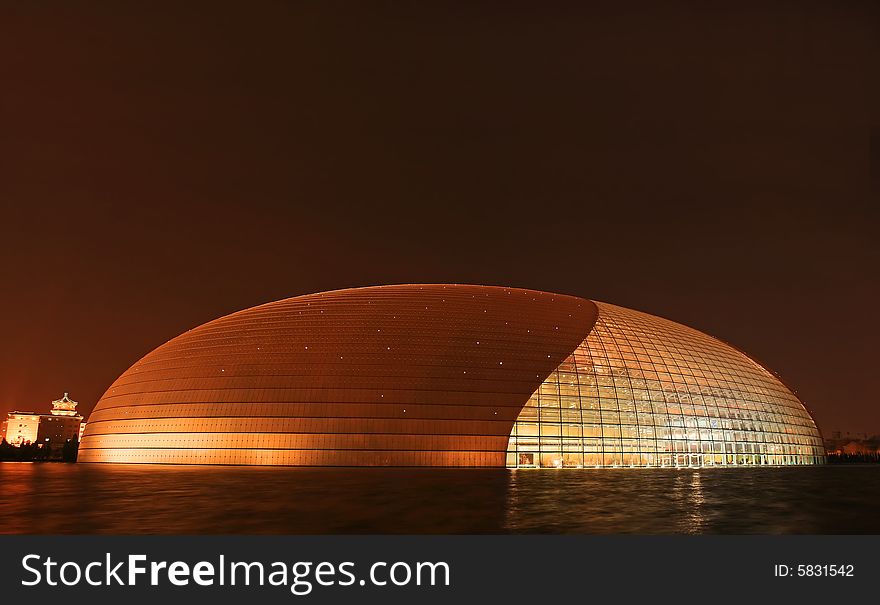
[161, 166]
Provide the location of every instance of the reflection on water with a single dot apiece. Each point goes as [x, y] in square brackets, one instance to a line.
[696, 521]
[62, 498]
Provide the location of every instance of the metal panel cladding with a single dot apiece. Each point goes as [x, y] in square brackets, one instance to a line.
[409, 375]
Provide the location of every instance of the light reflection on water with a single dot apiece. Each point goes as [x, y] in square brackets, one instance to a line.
[81, 498]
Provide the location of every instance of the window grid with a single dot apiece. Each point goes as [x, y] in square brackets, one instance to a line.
[642, 391]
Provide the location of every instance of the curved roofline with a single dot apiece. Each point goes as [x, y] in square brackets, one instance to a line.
[355, 288]
[431, 284]
[499, 287]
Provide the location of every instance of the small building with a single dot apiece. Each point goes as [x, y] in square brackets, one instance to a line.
[60, 425]
[860, 448]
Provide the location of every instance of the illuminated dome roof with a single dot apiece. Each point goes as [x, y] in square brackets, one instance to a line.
[448, 375]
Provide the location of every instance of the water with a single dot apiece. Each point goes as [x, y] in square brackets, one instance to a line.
[85, 499]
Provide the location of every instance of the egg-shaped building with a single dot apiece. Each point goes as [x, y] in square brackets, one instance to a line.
[449, 376]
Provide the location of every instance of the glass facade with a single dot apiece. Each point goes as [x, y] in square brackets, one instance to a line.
[642, 391]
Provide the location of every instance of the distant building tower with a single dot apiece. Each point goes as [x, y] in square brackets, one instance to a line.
[55, 429]
[64, 406]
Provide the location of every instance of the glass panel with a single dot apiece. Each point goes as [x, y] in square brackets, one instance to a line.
[645, 391]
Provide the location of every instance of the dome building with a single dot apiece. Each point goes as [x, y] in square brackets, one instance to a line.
[449, 376]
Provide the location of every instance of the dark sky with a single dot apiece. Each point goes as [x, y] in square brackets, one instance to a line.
[161, 166]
